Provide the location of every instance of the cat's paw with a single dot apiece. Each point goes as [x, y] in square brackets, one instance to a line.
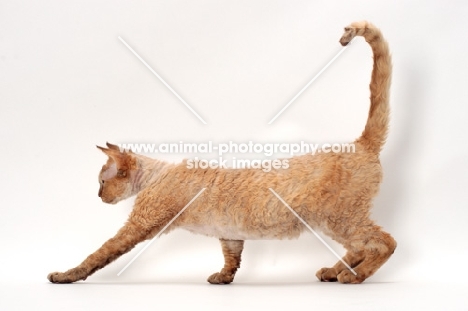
[70, 276]
[59, 277]
[220, 278]
[347, 277]
[327, 275]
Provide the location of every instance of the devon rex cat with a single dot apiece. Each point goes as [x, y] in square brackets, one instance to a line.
[332, 192]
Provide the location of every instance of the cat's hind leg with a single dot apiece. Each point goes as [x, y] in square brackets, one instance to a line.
[377, 246]
[232, 250]
[368, 250]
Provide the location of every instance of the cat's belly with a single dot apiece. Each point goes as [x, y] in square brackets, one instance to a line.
[228, 232]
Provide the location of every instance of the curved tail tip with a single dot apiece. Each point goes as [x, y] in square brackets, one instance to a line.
[353, 30]
[344, 42]
[348, 35]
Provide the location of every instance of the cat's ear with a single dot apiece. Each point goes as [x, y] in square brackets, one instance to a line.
[112, 146]
[122, 159]
[117, 148]
[112, 153]
[107, 151]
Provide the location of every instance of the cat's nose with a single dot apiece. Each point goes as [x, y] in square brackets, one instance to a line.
[100, 190]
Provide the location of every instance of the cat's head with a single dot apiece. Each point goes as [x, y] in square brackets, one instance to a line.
[116, 176]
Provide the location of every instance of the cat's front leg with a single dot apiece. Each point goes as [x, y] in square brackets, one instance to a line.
[127, 237]
[232, 250]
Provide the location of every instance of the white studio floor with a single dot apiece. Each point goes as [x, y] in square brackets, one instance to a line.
[237, 296]
[67, 83]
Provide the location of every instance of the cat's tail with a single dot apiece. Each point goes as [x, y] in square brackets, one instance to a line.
[375, 132]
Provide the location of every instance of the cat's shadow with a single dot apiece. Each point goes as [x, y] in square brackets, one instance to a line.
[234, 284]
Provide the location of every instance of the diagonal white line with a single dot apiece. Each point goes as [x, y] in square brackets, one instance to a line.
[160, 232]
[162, 80]
[313, 231]
[310, 82]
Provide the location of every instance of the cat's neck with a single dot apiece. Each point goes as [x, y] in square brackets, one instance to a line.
[149, 171]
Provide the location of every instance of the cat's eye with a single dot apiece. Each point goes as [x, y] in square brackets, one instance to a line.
[121, 173]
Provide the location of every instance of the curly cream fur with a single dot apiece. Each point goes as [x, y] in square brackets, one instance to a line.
[332, 192]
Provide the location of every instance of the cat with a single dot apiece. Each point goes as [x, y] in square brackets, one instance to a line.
[332, 192]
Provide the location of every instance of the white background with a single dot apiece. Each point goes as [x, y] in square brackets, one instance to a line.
[67, 83]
